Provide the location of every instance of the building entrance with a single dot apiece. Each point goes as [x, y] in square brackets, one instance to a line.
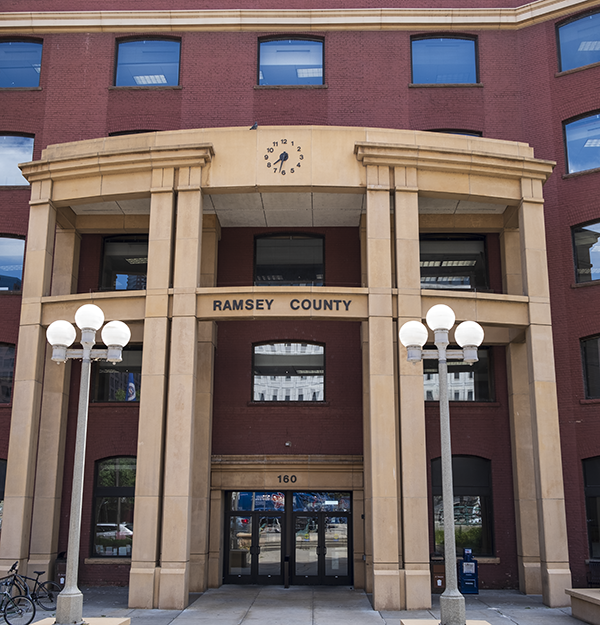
[288, 537]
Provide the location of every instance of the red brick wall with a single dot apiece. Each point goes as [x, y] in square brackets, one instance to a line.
[90, 263]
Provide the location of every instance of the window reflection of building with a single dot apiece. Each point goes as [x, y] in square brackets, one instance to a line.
[7, 367]
[465, 382]
[587, 252]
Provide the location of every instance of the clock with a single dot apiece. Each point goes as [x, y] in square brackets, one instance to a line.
[284, 157]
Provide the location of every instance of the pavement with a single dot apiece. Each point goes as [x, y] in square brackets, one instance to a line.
[313, 605]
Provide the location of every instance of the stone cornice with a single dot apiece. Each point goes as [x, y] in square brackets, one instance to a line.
[269, 20]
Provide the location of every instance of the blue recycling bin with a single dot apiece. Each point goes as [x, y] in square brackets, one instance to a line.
[468, 575]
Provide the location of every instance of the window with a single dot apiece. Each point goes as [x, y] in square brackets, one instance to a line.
[290, 62]
[579, 42]
[7, 368]
[590, 351]
[14, 149]
[591, 481]
[288, 373]
[443, 60]
[11, 263]
[582, 138]
[453, 263]
[587, 252]
[125, 263]
[474, 382]
[114, 493]
[119, 381]
[2, 483]
[288, 260]
[473, 518]
[20, 64]
[148, 63]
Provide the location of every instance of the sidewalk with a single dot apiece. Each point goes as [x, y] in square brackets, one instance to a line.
[310, 605]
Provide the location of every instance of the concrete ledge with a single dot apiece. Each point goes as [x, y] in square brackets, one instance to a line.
[414, 621]
[585, 604]
[94, 620]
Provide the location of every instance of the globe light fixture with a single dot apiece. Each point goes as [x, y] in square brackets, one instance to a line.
[469, 335]
[61, 334]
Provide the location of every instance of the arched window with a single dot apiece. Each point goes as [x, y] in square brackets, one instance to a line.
[7, 369]
[289, 372]
[12, 251]
[579, 42]
[586, 250]
[114, 495]
[285, 61]
[20, 64]
[445, 60]
[14, 149]
[474, 523]
[147, 63]
[582, 140]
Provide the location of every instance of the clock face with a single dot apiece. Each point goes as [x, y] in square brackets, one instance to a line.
[284, 157]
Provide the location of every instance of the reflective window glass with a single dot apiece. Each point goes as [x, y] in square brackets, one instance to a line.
[112, 529]
[591, 480]
[473, 517]
[443, 60]
[119, 381]
[590, 351]
[11, 263]
[289, 372]
[2, 483]
[14, 149]
[453, 263]
[321, 501]
[587, 252]
[7, 368]
[288, 260]
[474, 382]
[20, 64]
[579, 42]
[125, 263]
[291, 62]
[248, 501]
[583, 143]
[147, 63]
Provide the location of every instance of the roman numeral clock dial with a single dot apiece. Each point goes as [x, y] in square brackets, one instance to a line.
[284, 157]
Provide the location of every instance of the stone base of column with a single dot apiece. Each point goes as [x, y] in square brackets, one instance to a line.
[174, 588]
[386, 590]
[554, 584]
[417, 589]
[143, 587]
[69, 607]
[452, 608]
[530, 577]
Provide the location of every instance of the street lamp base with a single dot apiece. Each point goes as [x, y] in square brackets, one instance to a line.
[69, 607]
[452, 609]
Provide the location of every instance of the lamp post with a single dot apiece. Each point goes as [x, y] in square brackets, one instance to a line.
[61, 334]
[469, 335]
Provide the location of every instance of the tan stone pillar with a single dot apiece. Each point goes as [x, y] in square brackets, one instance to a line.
[27, 389]
[144, 575]
[552, 528]
[181, 402]
[413, 456]
[383, 503]
[510, 246]
[66, 262]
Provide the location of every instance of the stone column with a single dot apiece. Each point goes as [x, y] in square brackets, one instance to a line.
[413, 456]
[27, 389]
[144, 575]
[552, 529]
[181, 402]
[383, 503]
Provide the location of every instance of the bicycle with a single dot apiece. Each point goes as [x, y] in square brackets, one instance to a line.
[43, 594]
[16, 609]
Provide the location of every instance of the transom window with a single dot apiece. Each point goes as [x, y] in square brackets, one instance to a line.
[11, 263]
[290, 62]
[148, 63]
[20, 64]
[465, 382]
[14, 149]
[125, 263]
[590, 352]
[288, 260]
[582, 137]
[587, 252]
[112, 529]
[444, 60]
[7, 369]
[289, 372]
[579, 42]
[473, 519]
[453, 263]
[119, 381]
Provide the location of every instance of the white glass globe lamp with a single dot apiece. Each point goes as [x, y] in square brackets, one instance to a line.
[115, 335]
[60, 335]
[440, 317]
[413, 335]
[469, 335]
